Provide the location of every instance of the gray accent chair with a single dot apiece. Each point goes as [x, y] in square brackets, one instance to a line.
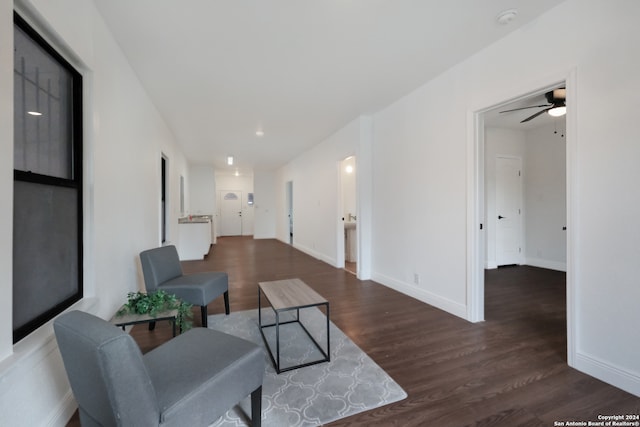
[162, 270]
[190, 380]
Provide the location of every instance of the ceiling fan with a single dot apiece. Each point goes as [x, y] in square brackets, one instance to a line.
[556, 105]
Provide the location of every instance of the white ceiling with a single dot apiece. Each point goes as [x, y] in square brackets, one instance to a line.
[218, 70]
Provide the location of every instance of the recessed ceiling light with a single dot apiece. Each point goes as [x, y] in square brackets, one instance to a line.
[230, 160]
[34, 113]
[506, 16]
[259, 133]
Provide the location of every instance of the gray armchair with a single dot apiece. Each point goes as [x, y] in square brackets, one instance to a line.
[161, 269]
[189, 381]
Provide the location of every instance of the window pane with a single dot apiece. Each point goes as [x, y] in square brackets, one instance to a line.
[45, 249]
[42, 111]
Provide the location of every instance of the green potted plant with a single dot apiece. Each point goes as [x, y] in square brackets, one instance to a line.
[157, 302]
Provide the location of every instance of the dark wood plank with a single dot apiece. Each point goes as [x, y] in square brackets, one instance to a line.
[509, 370]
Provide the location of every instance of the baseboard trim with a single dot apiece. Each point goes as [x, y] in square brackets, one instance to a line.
[616, 376]
[423, 295]
[316, 254]
[61, 416]
[543, 263]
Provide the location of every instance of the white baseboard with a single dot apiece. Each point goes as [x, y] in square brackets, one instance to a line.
[423, 295]
[544, 263]
[316, 254]
[617, 377]
[61, 416]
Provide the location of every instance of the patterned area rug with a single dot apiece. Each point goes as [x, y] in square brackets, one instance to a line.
[315, 395]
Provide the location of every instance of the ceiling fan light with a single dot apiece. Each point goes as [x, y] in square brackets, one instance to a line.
[557, 111]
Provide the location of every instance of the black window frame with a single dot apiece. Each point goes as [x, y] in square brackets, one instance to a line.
[74, 182]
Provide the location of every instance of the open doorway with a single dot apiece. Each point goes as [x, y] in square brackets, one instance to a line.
[531, 148]
[289, 202]
[525, 188]
[164, 203]
[349, 208]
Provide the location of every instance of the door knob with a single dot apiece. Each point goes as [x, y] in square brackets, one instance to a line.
[500, 217]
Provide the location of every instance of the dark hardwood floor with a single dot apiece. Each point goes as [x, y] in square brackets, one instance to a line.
[510, 370]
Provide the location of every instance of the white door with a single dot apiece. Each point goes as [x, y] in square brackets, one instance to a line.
[508, 210]
[230, 213]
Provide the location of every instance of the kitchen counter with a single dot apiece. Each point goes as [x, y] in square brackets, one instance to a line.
[195, 237]
[194, 220]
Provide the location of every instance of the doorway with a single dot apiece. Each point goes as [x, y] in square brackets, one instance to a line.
[289, 202]
[230, 213]
[164, 205]
[349, 223]
[482, 215]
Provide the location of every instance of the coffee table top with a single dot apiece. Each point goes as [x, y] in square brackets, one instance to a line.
[290, 293]
[133, 318]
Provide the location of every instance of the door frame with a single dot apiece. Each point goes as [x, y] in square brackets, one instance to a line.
[476, 237]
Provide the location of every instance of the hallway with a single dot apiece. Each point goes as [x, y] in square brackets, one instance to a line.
[509, 370]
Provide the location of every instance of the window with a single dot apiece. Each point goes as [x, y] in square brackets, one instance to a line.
[47, 217]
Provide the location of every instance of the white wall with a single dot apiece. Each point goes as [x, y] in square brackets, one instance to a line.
[422, 151]
[545, 197]
[202, 190]
[498, 142]
[419, 202]
[125, 138]
[317, 195]
[264, 205]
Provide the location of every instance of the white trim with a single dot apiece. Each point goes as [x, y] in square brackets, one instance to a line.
[476, 237]
[571, 85]
[611, 374]
[63, 412]
[315, 254]
[545, 263]
[340, 245]
[36, 346]
[425, 296]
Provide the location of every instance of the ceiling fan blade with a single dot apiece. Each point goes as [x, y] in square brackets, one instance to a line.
[524, 108]
[536, 114]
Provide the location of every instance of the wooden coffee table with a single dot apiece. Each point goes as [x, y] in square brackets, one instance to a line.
[289, 295]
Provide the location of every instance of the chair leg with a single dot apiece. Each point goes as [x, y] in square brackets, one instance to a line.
[203, 312]
[226, 302]
[256, 407]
